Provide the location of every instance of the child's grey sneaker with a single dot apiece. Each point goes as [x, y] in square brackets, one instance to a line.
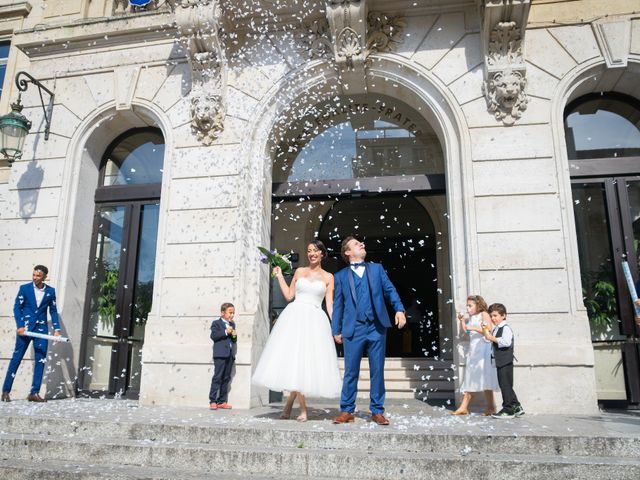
[503, 414]
[518, 411]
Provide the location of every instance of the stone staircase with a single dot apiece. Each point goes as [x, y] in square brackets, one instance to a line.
[422, 378]
[71, 441]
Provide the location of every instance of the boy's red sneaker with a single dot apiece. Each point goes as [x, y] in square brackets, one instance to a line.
[224, 406]
[213, 406]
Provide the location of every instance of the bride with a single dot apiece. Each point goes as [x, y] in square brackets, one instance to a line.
[300, 355]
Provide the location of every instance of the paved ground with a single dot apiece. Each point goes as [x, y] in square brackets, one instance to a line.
[410, 416]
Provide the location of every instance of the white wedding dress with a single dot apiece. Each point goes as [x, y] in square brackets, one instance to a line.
[300, 353]
[479, 373]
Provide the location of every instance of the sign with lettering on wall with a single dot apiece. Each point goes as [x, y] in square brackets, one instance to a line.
[139, 3]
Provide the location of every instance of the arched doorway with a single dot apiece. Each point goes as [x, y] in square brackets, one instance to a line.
[406, 244]
[122, 264]
[603, 143]
[368, 165]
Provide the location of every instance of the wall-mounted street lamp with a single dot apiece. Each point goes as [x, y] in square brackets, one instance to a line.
[14, 126]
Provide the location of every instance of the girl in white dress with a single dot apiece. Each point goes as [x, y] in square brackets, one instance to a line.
[300, 355]
[479, 373]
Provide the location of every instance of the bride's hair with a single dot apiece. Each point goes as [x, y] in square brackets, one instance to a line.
[320, 246]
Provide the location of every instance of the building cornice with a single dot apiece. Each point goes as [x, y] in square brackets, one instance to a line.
[43, 41]
[15, 10]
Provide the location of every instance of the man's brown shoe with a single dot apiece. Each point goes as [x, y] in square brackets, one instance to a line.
[344, 417]
[35, 398]
[379, 419]
[6, 397]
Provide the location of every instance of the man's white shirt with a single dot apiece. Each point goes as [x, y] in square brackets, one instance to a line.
[359, 270]
[39, 292]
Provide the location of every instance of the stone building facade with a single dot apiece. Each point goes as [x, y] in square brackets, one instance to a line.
[218, 101]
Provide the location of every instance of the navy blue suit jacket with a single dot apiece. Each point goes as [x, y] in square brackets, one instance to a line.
[27, 312]
[343, 320]
[223, 345]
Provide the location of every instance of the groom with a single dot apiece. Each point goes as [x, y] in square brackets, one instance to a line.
[360, 321]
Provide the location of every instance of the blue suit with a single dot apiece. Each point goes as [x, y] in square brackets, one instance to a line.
[224, 355]
[33, 318]
[360, 316]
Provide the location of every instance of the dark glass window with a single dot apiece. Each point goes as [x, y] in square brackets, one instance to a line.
[603, 126]
[4, 57]
[135, 158]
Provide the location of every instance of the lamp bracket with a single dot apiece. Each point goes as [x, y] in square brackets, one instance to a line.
[23, 83]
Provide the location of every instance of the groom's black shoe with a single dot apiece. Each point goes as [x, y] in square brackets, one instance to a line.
[379, 419]
[344, 417]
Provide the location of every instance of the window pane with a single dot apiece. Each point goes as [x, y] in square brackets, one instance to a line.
[356, 137]
[145, 269]
[105, 276]
[633, 192]
[4, 50]
[135, 160]
[599, 288]
[3, 71]
[603, 127]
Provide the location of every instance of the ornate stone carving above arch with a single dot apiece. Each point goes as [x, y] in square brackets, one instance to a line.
[348, 34]
[198, 26]
[503, 29]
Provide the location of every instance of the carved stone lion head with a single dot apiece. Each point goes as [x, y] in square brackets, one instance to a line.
[207, 116]
[505, 95]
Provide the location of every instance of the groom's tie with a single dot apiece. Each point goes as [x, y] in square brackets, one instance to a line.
[359, 264]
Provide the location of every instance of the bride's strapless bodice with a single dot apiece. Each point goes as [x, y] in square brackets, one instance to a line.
[310, 291]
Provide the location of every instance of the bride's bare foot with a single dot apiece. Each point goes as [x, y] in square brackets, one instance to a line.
[460, 412]
[285, 415]
[302, 417]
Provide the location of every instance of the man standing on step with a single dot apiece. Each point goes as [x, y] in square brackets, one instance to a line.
[360, 321]
[30, 312]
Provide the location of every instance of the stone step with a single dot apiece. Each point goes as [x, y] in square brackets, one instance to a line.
[406, 377]
[323, 435]
[406, 364]
[61, 470]
[378, 463]
[397, 384]
[445, 375]
[433, 398]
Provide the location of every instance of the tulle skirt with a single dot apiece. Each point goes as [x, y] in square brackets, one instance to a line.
[479, 373]
[300, 354]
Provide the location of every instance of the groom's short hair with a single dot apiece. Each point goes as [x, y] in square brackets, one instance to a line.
[344, 247]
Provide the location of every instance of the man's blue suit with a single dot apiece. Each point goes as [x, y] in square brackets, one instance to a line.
[360, 316]
[34, 319]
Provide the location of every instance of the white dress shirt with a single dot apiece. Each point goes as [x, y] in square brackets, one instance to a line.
[507, 334]
[39, 292]
[226, 325]
[359, 270]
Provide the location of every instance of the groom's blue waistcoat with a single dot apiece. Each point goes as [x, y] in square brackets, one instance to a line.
[346, 302]
[364, 305]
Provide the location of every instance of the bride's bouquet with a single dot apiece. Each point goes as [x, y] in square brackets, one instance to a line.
[275, 259]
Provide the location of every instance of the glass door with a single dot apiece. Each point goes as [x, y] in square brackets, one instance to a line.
[607, 214]
[119, 298]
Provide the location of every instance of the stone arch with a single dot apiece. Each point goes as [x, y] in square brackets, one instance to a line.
[588, 77]
[73, 238]
[387, 74]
